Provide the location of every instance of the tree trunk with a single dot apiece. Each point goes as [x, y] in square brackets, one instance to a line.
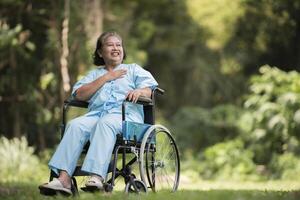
[65, 50]
[94, 20]
[15, 101]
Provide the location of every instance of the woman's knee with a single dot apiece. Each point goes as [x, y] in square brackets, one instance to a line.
[74, 124]
[81, 124]
[110, 123]
[76, 130]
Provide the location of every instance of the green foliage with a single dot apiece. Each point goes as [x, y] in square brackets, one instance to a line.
[266, 33]
[196, 128]
[261, 141]
[218, 17]
[285, 166]
[14, 44]
[30, 78]
[273, 105]
[228, 161]
[17, 161]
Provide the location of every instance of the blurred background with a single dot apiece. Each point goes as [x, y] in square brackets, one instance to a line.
[230, 69]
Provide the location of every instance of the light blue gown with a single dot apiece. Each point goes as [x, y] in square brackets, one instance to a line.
[102, 122]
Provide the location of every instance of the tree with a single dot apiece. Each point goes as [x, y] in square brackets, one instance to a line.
[267, 33]
[31, 79]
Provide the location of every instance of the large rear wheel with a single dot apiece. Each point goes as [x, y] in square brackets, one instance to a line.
[159, 159]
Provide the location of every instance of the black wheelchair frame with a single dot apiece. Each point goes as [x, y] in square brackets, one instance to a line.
[124, 147]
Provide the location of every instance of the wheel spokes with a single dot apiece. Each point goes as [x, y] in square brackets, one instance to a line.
[165, 163]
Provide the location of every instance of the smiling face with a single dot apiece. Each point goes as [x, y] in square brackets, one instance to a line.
[112, 51]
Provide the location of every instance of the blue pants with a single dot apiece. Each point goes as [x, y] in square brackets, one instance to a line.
[100, 131]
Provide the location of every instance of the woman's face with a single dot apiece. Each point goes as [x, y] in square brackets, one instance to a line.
[112, 51]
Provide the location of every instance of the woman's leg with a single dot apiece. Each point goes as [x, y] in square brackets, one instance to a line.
[68, 151]
[102, 142]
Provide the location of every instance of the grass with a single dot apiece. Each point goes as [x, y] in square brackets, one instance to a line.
[190, 188]
[204, 190]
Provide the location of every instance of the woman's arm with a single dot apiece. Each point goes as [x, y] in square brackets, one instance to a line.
[85, 92]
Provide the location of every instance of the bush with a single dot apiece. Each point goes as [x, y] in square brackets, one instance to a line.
[196, 128]
[265, 135]
[286, 166]
[229, 161]
[17, 161]
[272, 121]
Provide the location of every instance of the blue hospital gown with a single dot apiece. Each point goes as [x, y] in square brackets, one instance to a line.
[102, 121]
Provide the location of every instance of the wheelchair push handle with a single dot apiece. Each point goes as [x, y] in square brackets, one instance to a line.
[158, 91]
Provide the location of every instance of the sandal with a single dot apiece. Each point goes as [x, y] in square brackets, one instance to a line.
[94, 183]
[54, 186]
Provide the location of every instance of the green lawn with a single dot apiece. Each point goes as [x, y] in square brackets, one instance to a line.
[203, 190]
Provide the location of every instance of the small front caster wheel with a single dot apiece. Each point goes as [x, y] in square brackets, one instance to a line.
[135, 186]
[108, 188]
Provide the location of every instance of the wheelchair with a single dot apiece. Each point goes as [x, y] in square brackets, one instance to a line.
[151, 147]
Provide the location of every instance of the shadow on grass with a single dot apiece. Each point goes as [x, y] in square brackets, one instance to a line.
[22, 191]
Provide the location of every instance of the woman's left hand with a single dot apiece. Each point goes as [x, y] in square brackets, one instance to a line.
[134, 95]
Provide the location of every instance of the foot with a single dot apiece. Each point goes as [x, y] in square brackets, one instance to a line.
[53, 187]
[66, 182]
[94, 183]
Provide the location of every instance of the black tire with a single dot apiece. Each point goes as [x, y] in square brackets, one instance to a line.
[159, 159]
[108, 188]
[137, 188]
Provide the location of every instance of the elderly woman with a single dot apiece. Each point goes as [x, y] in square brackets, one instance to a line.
[105, 88]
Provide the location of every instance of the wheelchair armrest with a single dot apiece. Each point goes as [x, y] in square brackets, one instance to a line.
[76, 103]
[149, 101]
[142, 100]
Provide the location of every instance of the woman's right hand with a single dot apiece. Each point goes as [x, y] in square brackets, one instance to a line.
[112, 75]
[85, 92]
